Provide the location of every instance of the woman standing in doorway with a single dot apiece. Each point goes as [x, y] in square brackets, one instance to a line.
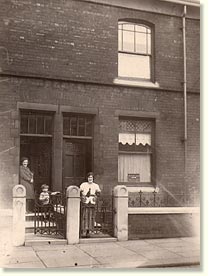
[26, 179]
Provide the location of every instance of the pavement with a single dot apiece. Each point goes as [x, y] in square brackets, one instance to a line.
[150, 253]
[96, 254]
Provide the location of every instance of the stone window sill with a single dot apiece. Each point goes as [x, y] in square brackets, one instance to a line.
[135, 82]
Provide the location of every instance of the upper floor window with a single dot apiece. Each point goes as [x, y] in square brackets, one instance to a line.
[135, 50]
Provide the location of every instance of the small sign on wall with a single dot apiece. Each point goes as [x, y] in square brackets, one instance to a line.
[133, 177]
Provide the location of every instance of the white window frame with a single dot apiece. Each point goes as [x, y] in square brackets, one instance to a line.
[130, 56]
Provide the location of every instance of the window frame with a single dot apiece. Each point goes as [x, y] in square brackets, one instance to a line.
[147, 25]
[69, 115]
[25, 113]
[152, 182]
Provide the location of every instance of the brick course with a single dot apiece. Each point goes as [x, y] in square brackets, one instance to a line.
[169, 126]
[75, 40]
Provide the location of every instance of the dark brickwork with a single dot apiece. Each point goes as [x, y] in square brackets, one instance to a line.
[163, 226]
[169, 126]
[74, 44]
[78, 40]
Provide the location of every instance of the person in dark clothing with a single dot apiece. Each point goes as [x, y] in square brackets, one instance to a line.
[26, 179]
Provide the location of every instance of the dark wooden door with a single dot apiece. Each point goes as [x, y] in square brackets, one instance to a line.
[38, 150]
[76, 161]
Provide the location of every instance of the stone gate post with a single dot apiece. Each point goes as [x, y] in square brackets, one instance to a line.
[73, 214]
[120, 194]
[19, 208]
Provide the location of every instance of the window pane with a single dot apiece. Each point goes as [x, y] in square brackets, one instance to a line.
[73, 126]
[120, 48]
[134, 164]
[88, 127]
[24, 124]
[128, 41]
[66, 126]
[148, 44]
[128, 27]
[81, 127]
[135, 66]
[32, 124]
[141, 43]
[48, 125]
[141, 29]
[40, 125]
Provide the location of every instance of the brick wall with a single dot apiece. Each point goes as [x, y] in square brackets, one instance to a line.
[163, 226]
[78, 41]
[169, 127]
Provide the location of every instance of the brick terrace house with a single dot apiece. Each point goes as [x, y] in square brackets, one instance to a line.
[108, 86]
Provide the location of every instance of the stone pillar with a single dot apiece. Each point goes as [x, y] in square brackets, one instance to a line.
[73, 214]
[19, 208]
[120, 199]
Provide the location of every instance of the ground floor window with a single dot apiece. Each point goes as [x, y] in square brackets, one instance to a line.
[136, 151]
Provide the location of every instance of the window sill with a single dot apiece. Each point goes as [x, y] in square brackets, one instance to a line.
[135, 82]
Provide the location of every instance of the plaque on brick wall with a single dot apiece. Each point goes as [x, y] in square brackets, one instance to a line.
[133, 177]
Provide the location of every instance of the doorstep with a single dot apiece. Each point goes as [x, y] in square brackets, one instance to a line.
[97, 240]
[32, 240]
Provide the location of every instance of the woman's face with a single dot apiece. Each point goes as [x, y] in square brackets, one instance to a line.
[25, 163]
[90, 179]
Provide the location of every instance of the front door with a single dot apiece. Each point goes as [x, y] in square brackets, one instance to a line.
[38, 150]
[77, 161]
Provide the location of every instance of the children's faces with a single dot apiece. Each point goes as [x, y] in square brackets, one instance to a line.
[25, 163]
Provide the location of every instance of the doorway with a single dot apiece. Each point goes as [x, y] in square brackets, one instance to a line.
[38, 150]
[77, 161]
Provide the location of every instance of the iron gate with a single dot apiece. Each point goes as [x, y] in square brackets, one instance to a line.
[50, 219]
[97, 221]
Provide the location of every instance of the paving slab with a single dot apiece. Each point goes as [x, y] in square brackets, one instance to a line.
[191, 253]
[25, 265]
[158, 254]
[138, 247]
[174, 245]
[160, 241]
[105, 250]
[66, 258]
[17, 257]
[47, 247]
[122, 260]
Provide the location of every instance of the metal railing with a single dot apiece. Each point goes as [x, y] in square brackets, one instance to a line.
[154, 199]
[50, 219]
[97, 220]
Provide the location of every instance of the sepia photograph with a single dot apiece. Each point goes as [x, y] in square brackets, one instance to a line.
[100, 135]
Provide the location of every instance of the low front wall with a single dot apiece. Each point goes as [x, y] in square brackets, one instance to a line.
[147, 223]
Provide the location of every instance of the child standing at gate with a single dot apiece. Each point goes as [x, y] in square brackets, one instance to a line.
[44, 195]
[89, 193]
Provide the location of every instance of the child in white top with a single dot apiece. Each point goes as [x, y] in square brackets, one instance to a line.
[44, 195]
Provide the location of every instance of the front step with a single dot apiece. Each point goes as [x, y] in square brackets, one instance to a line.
[35, 240]
[97, 240]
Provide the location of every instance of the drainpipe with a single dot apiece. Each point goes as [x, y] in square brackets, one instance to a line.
[185, 100]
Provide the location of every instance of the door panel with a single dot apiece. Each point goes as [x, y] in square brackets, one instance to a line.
[76, 161]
